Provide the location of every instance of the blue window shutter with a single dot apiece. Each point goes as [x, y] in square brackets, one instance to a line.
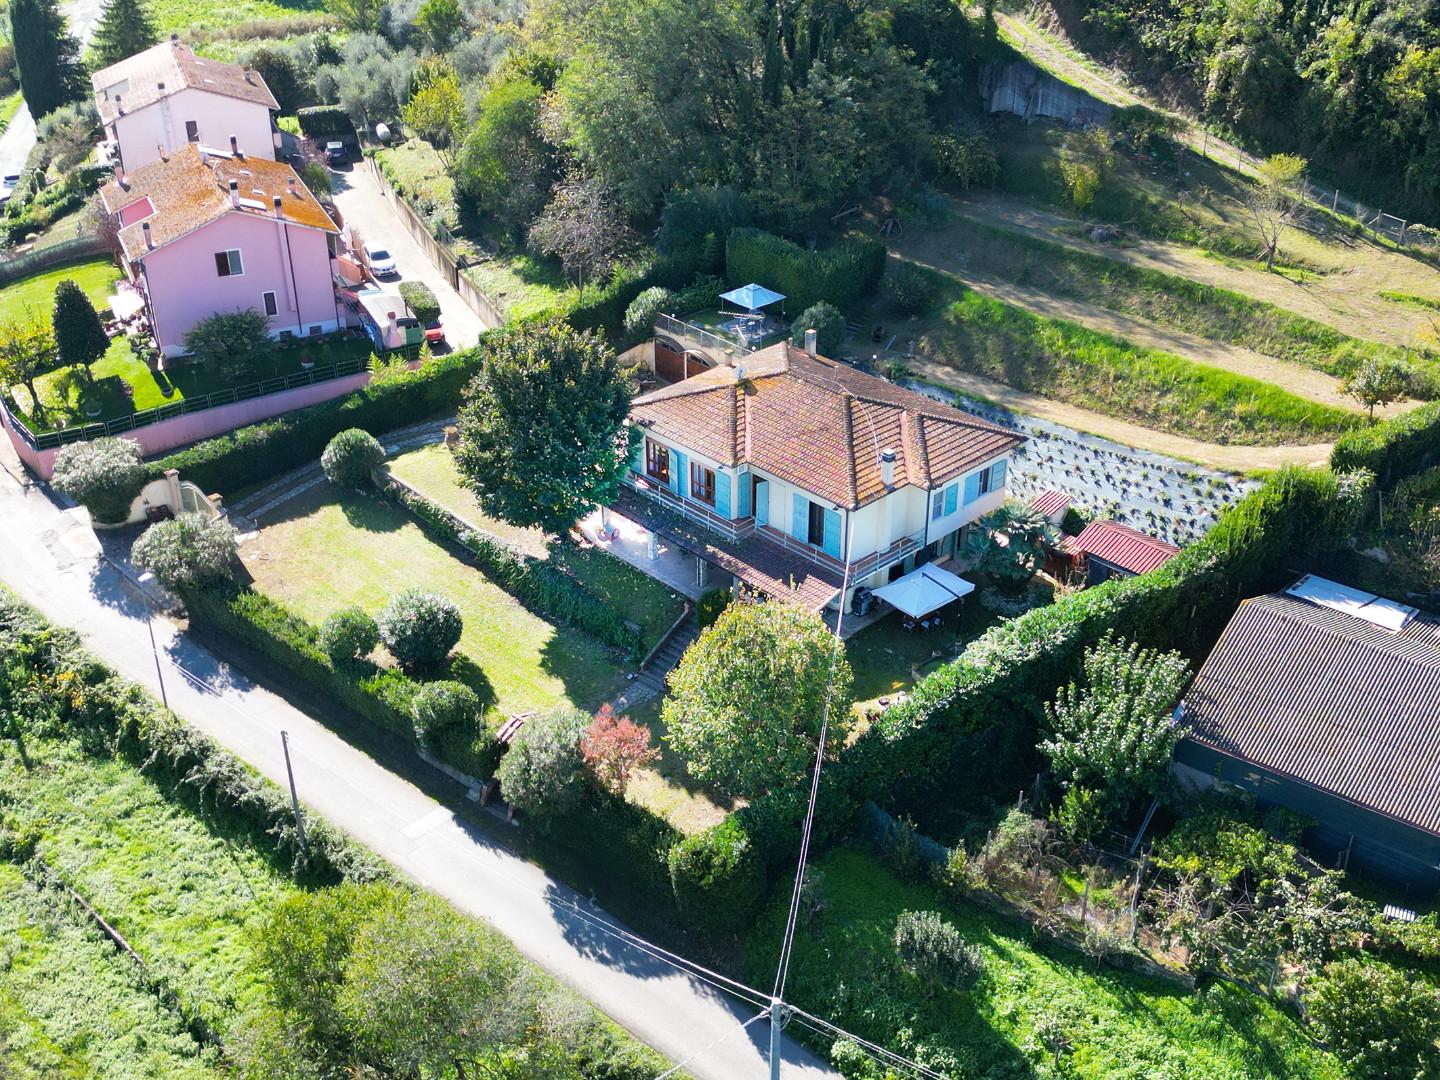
[743, 484]
[637, 459]
[722, 494]
[831, 545]
[799, 516]
[972, 488]
[997, 476]
[679, 473]
[937, 511]
[952, 493]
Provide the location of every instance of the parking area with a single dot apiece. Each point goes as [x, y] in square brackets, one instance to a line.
[364, 206]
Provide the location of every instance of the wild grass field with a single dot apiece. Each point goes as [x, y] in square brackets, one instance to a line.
[191, 18]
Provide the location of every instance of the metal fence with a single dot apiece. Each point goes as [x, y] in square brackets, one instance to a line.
[49, 440]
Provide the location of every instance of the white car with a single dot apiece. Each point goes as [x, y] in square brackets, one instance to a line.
[7, 186]
[382, 263]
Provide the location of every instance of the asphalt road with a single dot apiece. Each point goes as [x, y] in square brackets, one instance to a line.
[19, 135]
[366, 209]
[51, 558]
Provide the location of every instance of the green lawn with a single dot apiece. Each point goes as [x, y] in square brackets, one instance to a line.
[325, 550]
[96, 277]
[885, 658]
[1120, 1024]
[417, 171]
[189, 16]
[643, 600]
[521, 285]
[10, 105]
[122, 383]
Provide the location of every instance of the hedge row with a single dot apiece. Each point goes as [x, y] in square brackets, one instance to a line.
[319, 121]
[912, 753]
[252, 455]
[840, 274]
[540, 585]
[85, 696]
[383, 696]
[1398, 448]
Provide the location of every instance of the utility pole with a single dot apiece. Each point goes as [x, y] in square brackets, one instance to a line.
[775, 1038]
[294, 798]
[149, 625]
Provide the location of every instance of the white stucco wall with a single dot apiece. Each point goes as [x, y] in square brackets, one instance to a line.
[141, 133]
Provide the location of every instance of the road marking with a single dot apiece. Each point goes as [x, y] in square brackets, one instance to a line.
[431, 821]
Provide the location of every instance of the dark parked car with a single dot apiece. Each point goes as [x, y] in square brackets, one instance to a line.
[335, 153]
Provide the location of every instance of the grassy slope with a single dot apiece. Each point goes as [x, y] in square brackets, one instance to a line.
[188, 16]
[1122, 1025]
[1067, 362]
[327, 550]
[1167, 299]
[641, 598]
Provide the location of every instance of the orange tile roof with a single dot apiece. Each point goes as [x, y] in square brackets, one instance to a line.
[191, 188]
[820, 425]
[1119, 545]
[166, 69]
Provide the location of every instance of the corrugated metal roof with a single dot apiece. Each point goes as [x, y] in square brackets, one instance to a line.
[1329, 700]
[1051, 502]
[1121, 546]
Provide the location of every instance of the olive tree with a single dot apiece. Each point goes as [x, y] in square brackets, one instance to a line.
[187, 551]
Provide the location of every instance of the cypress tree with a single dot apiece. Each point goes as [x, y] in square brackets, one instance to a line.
[47, 56]
[79, 338]
[125, 28]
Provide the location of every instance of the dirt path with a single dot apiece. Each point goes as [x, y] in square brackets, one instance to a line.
[1347, 299]
[1239, 459]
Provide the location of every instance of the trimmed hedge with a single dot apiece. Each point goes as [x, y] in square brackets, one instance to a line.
[543, 587]
[162, 745]
[1392, 450]
[319, 121]
[912, 753]
[840, 274]
[383, 696]
[252, 455]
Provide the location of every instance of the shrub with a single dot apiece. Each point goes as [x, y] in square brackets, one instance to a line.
[933, 951]
[1394, 449]
[420, 300]
[717, 880]
[704, 292]
[230, 341]
[912, 289]
[694, 224]
[640, 315]
[965, 160]
[613, 747]
[103, 475]
[420, 629]
[828, 323]
[348, 636]
[1380, 1019]
[711, 606]
[442, 708]
[540, 772]
[841, 274]
[320, 121]
[350, 457]
[187, 550]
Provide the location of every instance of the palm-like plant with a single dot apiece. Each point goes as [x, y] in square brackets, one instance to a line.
[1008, 543]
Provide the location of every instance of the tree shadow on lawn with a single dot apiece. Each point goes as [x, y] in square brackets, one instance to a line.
[463, 669]
[671, 766]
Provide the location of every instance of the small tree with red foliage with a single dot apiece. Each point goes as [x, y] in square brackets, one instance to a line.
[613, 747]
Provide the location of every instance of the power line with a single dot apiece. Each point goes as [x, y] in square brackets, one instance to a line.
[705, 1049]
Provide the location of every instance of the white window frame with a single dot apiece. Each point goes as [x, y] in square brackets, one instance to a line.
[268, 300]
[232, 258]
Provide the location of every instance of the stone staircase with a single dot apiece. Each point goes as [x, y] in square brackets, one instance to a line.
[651, 680]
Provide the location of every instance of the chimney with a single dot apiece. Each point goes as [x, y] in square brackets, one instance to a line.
[145, 230]
[811, 337]
[235, 193]
[235, 148]
[290, 183]
[119, 109]
[174, 38]
[160, 86]
[120, 177]
[278, 211]
[887, 467]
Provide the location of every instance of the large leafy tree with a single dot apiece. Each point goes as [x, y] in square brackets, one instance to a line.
[583, 227]
[747, 699]
[27, 351]
[506, 167]
[125, 28]
[79, 338]
[436, 112]
[1114, 733]
[542, 428]
[47, 56]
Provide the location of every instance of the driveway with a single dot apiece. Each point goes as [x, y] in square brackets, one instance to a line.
[19, 134]
[51, 558]
[364, 206]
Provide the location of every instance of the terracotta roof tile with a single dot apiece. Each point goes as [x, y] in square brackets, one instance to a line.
[191, 188]
[820, 425]
[1119, 545]
[166, 69]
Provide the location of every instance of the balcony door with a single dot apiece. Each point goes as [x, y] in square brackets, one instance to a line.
[760, 499]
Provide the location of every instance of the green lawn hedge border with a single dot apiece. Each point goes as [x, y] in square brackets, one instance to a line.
[252, 455]
[840, 274]
[1393, 450]
[88, 698]
[540, 585]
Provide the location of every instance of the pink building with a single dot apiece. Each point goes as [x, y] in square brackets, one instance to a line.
[159, 100]
[205, 232]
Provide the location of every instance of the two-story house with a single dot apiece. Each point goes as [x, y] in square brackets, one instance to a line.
[793, 468]
[204, 232]
[157, 101]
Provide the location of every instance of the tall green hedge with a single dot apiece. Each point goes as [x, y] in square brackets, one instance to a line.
[252, 455]
[916, 750]
[322, 121]
[1392, 450]
[840, 274]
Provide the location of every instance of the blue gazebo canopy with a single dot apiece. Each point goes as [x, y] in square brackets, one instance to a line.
[752, 297]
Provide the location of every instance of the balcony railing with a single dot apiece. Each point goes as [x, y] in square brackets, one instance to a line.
[862, 567]
[692, 338]
[727, 528]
